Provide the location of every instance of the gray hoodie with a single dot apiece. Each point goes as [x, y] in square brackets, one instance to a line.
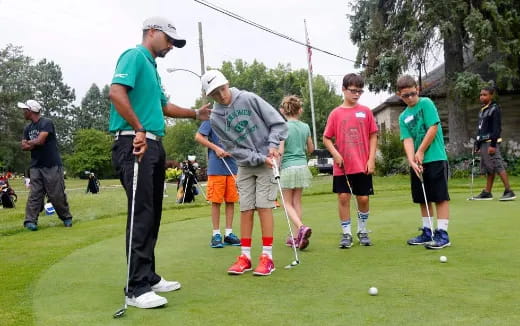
[248, 127]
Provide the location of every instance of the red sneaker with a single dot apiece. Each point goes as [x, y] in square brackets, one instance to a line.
[243, 264]
[265, 266]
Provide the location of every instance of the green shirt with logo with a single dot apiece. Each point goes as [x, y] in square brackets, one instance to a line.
[137, 69]
[415, 121]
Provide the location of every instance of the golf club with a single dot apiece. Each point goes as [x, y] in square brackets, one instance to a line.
[227, 166]
[426, 203]
[121, 312]
[276, 174]
[472, 197]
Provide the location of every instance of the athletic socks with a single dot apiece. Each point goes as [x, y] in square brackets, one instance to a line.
[246, 247]
[442, 224]
[426, 222]
[228, 231]
[345, 227]
[362, 221]
[267, 246]
[215, 232]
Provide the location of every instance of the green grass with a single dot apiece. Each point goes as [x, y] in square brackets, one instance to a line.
[59, 276]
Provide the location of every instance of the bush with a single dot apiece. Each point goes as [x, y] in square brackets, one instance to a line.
[173, 174]
[391, 157]
[314, 170]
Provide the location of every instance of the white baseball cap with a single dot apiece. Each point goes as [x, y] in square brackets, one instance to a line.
[30, 105]
[167, 27]
[211, 80]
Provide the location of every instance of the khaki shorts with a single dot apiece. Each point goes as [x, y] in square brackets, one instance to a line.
[257, 187]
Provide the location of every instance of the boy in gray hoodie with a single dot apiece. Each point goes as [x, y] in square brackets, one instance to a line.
[251, 130]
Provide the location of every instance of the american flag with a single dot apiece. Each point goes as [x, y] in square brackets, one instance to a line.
[309, 50]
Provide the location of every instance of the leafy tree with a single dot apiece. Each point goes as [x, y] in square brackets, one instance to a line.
[94, 109]
[397, 35]
[92, 152]
[179, 142]
[56, 97]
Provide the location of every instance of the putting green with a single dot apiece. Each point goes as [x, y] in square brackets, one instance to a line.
[329, 287]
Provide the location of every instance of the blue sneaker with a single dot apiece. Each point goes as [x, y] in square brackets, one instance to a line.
[423, 238]
[216, 241]
[67, 223]
[31, 226]
[440, 240]
[231, 240]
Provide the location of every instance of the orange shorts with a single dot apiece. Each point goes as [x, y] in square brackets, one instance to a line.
[222, 188]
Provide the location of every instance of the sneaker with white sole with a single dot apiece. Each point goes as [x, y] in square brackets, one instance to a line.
[147, 300]
[166, 286]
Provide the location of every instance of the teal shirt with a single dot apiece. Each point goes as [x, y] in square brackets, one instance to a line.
[415, 121]
[137, 69]
[296, 144]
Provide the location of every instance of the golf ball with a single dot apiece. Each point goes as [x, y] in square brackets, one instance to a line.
[372, 291]
[443, 259]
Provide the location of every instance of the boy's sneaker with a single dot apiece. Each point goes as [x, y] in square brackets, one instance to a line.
[346, 241]
[231, 240]
[304, 234]
[508, 195]
[364, 240]
[166, 286]
[243, 264]
[67, 223]
[484, 195]
[291, 241]
[423, 238]
[146, 300]
[440, 240]
[265, 266]
[216, 241]
[31, 226]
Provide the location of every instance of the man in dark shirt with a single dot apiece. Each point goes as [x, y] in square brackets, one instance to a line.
[46, 170]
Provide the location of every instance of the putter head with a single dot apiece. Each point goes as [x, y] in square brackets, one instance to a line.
[120, 313]
[291, 265]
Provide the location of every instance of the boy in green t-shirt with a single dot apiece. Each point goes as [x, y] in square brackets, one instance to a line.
[422, 137]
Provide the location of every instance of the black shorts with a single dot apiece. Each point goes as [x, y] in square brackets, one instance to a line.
[361, 184]
[435, 177]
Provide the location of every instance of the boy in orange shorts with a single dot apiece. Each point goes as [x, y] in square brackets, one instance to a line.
[221, 187]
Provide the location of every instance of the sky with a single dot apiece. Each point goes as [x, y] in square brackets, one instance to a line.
[85, 38]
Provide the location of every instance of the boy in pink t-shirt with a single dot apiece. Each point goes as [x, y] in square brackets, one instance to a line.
[351, 137]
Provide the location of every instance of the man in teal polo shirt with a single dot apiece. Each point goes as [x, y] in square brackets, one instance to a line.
[137, 120]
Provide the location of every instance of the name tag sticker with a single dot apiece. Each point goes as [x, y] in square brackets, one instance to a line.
[408, 119]
[361, 115]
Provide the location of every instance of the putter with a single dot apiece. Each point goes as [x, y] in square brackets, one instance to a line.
[472, 174]
[121, 312]
[276, 174]
[229, 169]
[426, 203]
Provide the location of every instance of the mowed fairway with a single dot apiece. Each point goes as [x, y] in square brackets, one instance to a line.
[59, 276]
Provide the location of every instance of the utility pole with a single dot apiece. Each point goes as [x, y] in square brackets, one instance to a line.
[202, 66]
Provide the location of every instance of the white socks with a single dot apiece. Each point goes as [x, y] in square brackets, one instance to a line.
[362, 221]
[442, 223]
[345, 227]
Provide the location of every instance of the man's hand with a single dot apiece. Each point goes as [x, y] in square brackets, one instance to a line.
[221, 153]
[417, 167]
[204, 112]
[273, 153]
[492, 150]
[140, 145]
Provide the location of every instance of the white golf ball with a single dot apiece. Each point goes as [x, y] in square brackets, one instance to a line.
[443, 259]
[372, 291]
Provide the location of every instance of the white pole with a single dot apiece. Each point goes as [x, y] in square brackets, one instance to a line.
[309, 70]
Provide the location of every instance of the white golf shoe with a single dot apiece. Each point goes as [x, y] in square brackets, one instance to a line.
[166, 286]
[147, 300]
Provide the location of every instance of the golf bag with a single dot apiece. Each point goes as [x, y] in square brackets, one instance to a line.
[8, 196]
[186, 186]
[93, 184]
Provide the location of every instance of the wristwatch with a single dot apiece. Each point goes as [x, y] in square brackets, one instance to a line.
[140, 130]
